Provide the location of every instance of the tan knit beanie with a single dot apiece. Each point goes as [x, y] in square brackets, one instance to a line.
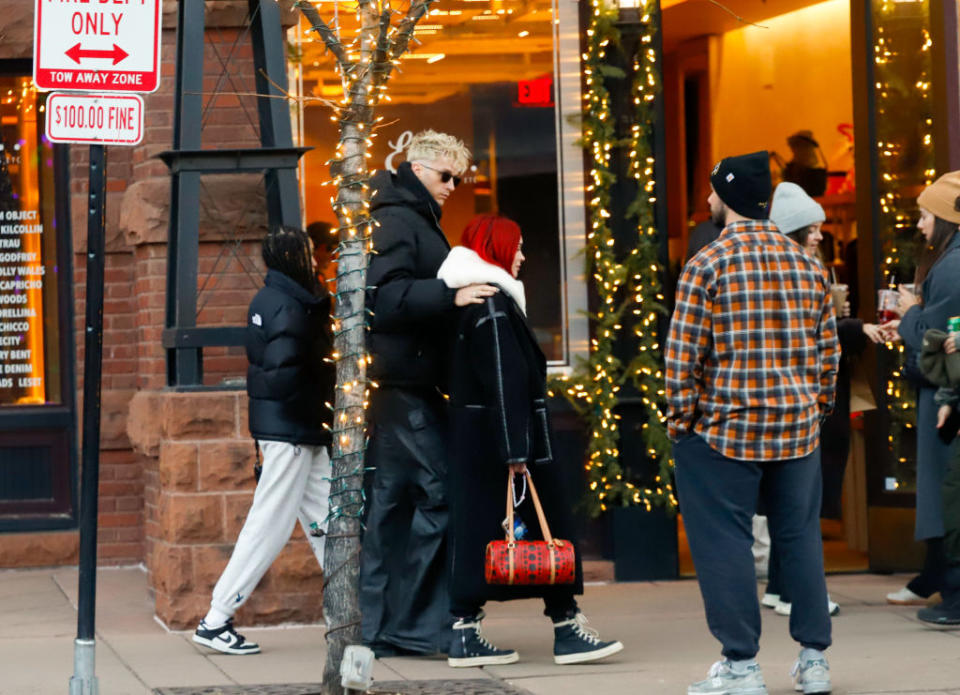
[942, 197]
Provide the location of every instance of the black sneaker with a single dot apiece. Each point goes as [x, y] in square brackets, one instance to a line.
[941, 614]
[224, 639]
[575, 643]
[469, 648]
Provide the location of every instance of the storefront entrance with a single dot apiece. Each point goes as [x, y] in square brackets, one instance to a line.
[843, 96]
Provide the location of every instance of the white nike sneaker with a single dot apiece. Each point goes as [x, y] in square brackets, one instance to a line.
[224, 639]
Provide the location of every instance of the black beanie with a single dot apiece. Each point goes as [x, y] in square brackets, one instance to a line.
[743, 183]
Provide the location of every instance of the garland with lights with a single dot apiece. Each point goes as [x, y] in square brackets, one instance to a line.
[628, 287]
[905, 166]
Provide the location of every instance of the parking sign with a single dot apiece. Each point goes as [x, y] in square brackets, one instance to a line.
[97, 45]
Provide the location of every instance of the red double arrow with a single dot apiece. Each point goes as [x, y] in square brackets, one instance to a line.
[116, 53]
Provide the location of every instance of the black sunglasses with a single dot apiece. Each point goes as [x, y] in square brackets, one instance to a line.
[445, 176]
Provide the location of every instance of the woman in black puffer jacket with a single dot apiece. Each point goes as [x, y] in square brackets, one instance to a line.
[288, 381]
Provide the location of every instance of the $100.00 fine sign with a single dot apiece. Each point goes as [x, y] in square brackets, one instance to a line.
[95, 119]
[97, 45]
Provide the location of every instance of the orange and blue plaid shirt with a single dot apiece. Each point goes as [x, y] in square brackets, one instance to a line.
[752, 356]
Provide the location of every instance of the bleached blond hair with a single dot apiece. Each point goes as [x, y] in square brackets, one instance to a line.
[429, 146]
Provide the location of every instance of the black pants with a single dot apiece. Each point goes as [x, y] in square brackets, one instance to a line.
[557, 608]
[931, 577]
[718, 498]
[403, 572]
[775, 583]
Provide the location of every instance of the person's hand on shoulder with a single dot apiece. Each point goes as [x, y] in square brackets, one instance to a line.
[474, 294]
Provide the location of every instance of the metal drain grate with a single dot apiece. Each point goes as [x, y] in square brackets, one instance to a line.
[474, 686]
[296, 689]
[477, 686]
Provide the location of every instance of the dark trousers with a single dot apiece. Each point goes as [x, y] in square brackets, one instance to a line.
[403, 571]
[931, 577]
[557, 608]
[774, 580]
[718, 498]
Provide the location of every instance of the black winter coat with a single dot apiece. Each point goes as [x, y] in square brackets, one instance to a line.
[499, 416]
[411, 307]
[288, 381]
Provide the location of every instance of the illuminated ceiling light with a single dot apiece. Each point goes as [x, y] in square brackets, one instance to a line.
[629, 4]
[523, 33]
[436, 58]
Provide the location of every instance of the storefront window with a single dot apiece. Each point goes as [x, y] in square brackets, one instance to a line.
[30, 360]
[903, 107]
[484, 71]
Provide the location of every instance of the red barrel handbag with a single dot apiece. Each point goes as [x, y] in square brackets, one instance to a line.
[529, 563]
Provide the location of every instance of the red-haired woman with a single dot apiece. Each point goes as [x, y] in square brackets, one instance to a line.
[499, 423]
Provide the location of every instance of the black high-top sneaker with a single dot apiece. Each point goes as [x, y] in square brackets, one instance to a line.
[224, 639]
[575, 643]
[469, 647]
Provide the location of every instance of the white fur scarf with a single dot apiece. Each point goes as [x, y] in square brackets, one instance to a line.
[464, 267]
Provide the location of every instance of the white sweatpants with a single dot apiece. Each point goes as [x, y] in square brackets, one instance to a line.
[294, 483]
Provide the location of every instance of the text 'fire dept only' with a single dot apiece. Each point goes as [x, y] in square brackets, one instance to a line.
[97, 45]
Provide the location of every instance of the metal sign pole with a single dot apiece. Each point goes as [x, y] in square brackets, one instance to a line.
[84, 680]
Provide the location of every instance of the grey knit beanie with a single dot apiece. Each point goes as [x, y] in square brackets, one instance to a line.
[793, 209]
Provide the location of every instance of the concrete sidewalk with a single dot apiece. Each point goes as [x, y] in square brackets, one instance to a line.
[878, 648]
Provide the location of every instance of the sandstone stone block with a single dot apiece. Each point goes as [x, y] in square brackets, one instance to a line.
[208, 564]
[178, 466]
[186, 518]
[226, 466]
[181, 612]
[230, 205]
[171, 569]
[39, 549]
[199, 415]
[295, 570]
[114, 409]
[270, 608]
[17, 30]
[144, 420]
[235, 513]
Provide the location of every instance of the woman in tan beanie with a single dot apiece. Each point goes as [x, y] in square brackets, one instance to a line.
[937, 276]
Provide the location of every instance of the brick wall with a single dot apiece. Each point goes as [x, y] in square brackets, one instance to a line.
[232, 221]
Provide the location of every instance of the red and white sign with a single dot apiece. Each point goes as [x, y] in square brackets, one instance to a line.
[97, 45]
[95, 119]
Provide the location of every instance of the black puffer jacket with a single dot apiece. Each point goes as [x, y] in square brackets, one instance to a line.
[288, 381]
[411, 307]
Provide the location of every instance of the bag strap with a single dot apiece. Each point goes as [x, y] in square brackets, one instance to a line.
[541, 517]
[544, 527]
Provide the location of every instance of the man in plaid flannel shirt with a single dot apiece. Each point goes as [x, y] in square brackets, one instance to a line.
[751, 366]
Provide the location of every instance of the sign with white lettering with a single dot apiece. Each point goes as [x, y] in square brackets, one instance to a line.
[95, 119]
[97, 45]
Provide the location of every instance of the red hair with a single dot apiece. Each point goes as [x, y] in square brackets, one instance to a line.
[494, 238]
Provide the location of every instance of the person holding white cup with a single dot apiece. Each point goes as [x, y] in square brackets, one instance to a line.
[939, 299]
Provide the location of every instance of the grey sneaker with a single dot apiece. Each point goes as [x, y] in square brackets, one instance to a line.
[723, 680]
[811, 673]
